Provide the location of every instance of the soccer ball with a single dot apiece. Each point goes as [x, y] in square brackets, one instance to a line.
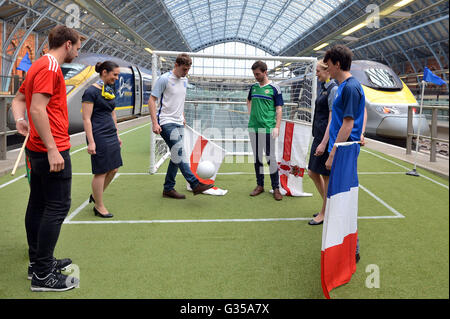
[206, 169]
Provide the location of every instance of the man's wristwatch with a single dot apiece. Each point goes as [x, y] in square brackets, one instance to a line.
[20, 119]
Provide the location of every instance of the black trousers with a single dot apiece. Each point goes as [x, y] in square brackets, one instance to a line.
[48, 205]
[264, 143]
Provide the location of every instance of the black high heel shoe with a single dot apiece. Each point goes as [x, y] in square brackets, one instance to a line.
[91, 199]
[97, 213]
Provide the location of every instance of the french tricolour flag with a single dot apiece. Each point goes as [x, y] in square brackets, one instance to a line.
[340, 230]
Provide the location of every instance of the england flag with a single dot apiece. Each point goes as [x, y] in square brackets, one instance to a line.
[198, 148]
[340, 229]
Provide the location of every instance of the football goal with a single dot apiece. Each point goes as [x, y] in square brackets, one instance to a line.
[217, 91]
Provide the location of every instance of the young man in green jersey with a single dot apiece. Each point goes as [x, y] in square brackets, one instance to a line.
[264, 104]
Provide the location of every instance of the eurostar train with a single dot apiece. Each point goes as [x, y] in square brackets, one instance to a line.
[133, 88]
[387, 100]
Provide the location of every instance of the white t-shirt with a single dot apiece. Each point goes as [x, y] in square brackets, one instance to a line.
[171, 93]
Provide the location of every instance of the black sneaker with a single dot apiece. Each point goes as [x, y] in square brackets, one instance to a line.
[59, 264]
[54, 281]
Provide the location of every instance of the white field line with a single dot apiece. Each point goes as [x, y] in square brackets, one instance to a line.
[404, 167]
[12, 181]
[173, 221]
[123, 133]
[76, 211]
[74, 152]
[69, 219]
[381, 173]
[244, 173]
[78, 150]
[83, 205]
[393, 210]
[185, 221]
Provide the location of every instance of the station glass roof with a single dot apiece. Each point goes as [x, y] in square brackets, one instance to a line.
[270, 25]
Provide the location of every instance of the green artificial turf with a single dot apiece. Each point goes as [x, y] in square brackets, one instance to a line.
[239, 259]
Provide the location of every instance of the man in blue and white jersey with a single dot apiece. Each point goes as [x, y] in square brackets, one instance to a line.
[168, 121]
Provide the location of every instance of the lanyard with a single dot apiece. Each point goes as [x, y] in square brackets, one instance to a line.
[107, 90]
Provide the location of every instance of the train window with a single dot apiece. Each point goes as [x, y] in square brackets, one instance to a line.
[69, 70]
[383, 79]
[69, 88]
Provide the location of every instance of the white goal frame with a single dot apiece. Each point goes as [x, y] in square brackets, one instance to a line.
[158, 57]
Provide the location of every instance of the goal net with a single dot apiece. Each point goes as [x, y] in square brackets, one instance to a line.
[218, 87]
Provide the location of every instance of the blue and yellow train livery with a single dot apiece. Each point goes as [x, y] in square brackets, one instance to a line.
[387, 100]
[133, 88]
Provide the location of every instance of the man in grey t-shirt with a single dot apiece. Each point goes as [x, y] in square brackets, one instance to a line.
[168, 121]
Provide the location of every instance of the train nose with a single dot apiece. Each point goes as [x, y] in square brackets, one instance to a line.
[396, 126]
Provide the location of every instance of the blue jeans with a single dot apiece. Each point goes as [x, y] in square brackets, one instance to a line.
[173, 136]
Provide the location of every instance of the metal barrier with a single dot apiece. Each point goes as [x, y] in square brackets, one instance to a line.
[5, 104]
[434, 139]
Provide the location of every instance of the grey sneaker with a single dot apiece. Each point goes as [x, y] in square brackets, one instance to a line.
[54, 281]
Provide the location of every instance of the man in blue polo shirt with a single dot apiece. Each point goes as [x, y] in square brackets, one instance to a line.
[348, 115]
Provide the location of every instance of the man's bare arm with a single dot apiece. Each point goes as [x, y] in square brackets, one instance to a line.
[38, 113]
[152, 107]
[279, 114]
[19, 108]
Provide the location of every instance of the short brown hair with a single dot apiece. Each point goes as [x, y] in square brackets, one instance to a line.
[183, 59]
[339, 53]
[60, 35]
[259, 65]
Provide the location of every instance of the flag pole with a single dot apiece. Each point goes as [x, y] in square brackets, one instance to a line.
[16, 164]
[414, 171]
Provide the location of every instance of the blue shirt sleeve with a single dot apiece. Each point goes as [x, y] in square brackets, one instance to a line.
[160, 86]
[332, 97]
[351, 98]
[277, 96]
